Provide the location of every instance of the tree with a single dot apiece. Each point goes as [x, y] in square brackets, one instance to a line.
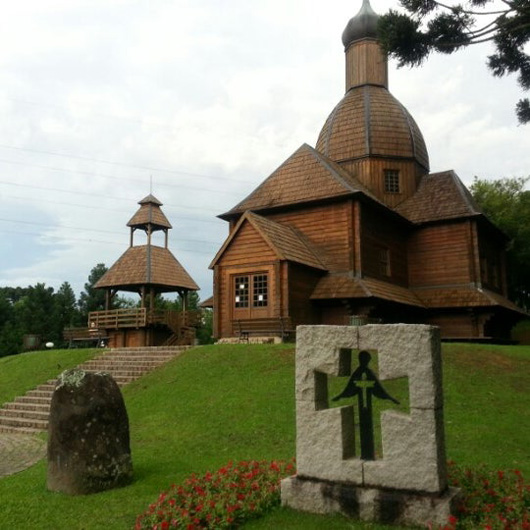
[435, 26]
[507, 204]
[66, 313]
[92, 299]
[35, 313]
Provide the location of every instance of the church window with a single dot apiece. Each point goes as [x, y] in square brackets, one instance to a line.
[384, 262]
[391, 181]
[241, 284]
[260, 288]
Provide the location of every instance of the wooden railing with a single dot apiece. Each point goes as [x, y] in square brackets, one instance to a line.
[141, 317]
[118, 318]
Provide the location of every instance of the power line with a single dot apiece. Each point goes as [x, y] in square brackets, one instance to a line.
[120, 210]
[112, 177]
[90, 229]
[62, 238]
[100, 195]
[112, 163]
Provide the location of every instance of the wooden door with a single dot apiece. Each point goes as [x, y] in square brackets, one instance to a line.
[251, 296]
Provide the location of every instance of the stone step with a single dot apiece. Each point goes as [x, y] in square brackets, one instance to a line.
[19, 430]
[28, 414]
[47, 387]
[32, 399]
[27, 405]
[118, 368]
[128, 362]
[8, 421]
[37, 393]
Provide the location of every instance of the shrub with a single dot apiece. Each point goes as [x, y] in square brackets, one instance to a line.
[223, 499]
[491, 500]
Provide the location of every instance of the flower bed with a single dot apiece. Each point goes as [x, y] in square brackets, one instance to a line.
[491, 500]
[223, 499]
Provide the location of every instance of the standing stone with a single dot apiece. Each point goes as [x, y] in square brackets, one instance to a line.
[88, 435]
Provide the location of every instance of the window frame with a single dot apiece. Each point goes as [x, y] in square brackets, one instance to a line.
[392, 181]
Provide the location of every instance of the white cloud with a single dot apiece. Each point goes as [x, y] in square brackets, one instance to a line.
[205, 97]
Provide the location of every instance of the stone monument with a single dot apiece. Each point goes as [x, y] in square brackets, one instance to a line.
[88, 435]
[408, 485]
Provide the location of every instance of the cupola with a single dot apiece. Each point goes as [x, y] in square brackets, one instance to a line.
[370, 133]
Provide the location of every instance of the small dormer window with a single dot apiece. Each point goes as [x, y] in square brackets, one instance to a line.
[391, 181]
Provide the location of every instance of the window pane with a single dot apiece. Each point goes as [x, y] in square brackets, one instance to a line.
[259, 296]
[241, 285]
[391, 180]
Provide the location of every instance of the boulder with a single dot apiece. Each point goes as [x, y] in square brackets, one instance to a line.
[88, 435]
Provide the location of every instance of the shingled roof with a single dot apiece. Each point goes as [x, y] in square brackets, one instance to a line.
[286, 242]
[440, 196]
[464, 297]
[338, 287]
[305, 176]
[370, 121]
[147, 265]
[149, 213]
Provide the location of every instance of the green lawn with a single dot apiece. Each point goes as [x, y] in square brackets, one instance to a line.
[221, 403]
[20, 373]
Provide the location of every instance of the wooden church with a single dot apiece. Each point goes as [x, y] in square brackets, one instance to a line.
[357, 230]
[147, 270]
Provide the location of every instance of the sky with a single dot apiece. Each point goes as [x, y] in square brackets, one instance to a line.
[198, 101]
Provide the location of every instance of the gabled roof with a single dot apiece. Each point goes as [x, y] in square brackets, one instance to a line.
[440, 196]
[149, 213]
[305, 176]
[335, 287]
[147, 265]
[286, 242]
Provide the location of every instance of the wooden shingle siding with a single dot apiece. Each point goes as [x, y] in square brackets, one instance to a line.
[247, 246]
[380, 233]
[440, 255]
[302, 282]
[370, 172]
[365, 63]
[456, 325]
[326, 227]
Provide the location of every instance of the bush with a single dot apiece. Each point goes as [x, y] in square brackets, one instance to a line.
[491, 500]
[224, 499]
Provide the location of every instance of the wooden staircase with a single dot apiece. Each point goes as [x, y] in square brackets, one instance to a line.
[29, 413]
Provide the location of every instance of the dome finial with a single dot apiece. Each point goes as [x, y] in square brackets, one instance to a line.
[362, 25]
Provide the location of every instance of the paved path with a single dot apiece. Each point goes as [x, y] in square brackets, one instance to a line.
[19, 451]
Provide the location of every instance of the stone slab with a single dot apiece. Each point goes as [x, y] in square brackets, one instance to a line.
[413, 444]
[369, 504]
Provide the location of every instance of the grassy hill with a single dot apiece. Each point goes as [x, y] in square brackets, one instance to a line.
[221, 403]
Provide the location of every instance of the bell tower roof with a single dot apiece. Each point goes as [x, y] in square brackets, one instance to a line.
[150, 214]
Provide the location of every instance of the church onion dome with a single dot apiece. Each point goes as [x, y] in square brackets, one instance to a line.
[362, 26]
[370, 122]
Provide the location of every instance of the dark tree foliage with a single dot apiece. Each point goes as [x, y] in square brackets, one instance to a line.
[66, 312]
[434, 26]
[92, 299]
[507, 204]
[35, 313]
